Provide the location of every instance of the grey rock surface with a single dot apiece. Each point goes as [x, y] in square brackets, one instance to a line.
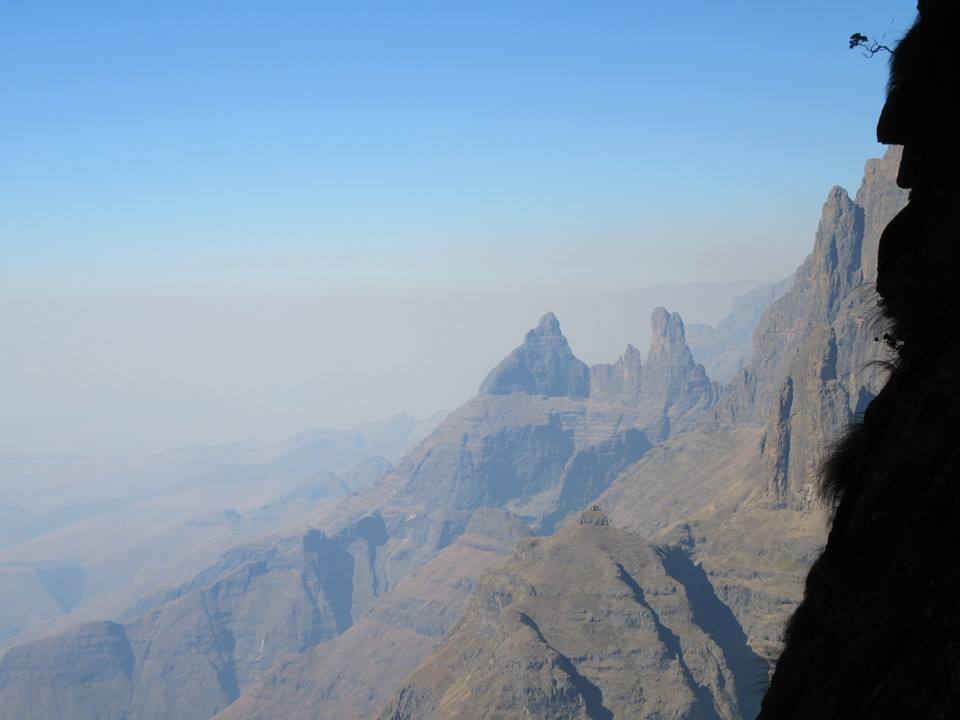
[543, 365]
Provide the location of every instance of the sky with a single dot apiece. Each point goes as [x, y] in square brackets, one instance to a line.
[210, 210]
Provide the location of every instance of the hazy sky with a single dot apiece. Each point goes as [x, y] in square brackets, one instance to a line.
[218, 187]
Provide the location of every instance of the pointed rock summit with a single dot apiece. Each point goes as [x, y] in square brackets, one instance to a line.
[542, 365]
[668, 341]
[671, 379]
[548, 325]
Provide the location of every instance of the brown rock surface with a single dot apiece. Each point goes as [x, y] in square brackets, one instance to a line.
[593, 622]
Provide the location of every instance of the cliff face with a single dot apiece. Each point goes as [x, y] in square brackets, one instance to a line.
[815, 359]
[876, 635]
[738, 491]
[735, 492]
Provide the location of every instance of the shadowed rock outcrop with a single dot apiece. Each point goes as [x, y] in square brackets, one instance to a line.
[877, 633]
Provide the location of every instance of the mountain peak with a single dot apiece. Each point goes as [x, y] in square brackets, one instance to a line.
[671, 378]
[543, 365]
[548, 325]
[668, 337]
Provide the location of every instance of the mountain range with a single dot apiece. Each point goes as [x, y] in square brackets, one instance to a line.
[89, 536]
[615, 540]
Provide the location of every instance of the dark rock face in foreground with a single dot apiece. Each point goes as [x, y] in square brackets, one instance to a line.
[878, 634]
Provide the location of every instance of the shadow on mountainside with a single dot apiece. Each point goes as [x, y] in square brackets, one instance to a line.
[719, 622]
[592, 697]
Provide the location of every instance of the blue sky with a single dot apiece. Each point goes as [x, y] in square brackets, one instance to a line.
[222, 220]
[309, 145]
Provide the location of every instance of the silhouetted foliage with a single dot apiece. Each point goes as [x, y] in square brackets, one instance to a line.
[870, 46]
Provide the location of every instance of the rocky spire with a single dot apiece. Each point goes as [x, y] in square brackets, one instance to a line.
[542, 365]
[814, 361]
[668, 340]
[671, 379]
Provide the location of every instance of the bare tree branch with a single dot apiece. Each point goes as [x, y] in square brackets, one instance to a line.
[870, 46]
